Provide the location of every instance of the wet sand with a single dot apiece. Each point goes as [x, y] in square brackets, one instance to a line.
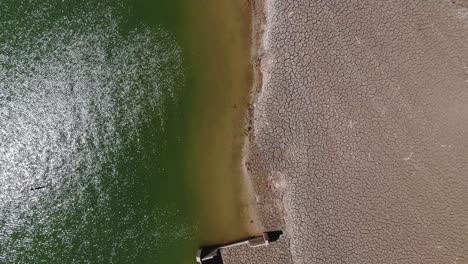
[358, 143]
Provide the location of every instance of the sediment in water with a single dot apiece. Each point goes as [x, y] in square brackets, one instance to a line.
[218, 45]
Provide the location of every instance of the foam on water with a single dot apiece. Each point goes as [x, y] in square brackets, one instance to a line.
[75, 91]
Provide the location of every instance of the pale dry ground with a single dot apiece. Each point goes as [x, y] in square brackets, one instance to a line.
[360, 130]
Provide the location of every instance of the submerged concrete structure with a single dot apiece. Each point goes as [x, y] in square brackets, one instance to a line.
[214, 254]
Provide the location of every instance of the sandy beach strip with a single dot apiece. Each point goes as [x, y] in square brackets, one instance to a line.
[268, 201]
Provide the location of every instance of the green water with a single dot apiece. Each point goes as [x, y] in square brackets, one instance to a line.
[103, 108]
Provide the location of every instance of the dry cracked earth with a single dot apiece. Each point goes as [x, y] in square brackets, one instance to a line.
[361, 130]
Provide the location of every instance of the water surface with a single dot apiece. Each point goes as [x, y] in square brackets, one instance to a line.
[99, 102]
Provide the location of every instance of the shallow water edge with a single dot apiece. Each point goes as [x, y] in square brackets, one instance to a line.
[219, 39]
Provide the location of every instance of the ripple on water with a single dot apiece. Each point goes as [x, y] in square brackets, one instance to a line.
[76, 86]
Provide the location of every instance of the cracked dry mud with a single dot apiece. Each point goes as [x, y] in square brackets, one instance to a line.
[360, 131]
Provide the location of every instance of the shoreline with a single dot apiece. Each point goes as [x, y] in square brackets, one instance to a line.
[264, 189]
[266, 197]
[219, 53]
[256, 81]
